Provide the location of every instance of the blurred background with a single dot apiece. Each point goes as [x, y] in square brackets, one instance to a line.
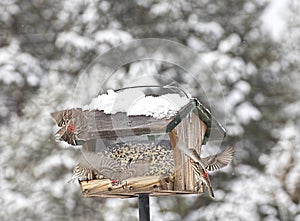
[252, 49]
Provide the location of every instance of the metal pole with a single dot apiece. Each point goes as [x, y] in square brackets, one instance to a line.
[144, 210]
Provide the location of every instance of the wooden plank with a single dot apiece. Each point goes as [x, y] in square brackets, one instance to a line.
[190, 133]
[108, 126]
[129, 186]
[178, 161]
[196, 130]
[191, 128]
[184, 135]
[152, 194]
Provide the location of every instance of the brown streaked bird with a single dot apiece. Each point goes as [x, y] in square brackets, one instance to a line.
[62, 117]
[73, 123]
[219, 160]
[82, 173]
[210, 163]
[202, 175]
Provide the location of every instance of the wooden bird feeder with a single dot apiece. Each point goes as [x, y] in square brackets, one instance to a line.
[155, 139]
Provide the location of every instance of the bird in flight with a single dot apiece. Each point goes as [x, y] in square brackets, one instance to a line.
[211, 163]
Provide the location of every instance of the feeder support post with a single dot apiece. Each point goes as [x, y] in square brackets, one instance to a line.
[144, 210]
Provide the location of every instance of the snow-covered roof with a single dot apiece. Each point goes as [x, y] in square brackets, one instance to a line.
[135, 102]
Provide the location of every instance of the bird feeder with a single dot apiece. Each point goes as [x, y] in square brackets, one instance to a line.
[145, 143]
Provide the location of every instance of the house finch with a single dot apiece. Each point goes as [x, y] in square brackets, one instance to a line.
[210, 163]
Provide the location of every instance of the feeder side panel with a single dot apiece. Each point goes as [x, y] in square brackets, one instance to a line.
[179, 175]
[196, 133]
[185, 139]
[101, 125]
[191, 132]
[188, 138]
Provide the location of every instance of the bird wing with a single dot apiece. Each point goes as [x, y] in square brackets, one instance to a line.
[98, 162]
[219, 160]
[111, 168]
[122, 175]
[131, 170]
[139, 168]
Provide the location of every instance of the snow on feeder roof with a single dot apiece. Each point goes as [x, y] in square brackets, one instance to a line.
[135, 102]
[130, 142]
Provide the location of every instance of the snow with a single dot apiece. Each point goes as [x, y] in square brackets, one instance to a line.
[160, 8]
[158, 107]
[74, 39]
[104, 5]
[213, 28]
[243, 86]
[230, 43]
[251, 69]
[18, 67]
[275, 13]
[246, 112]
[112, 36]
[8, 11]
[196, 44]
[135, 102]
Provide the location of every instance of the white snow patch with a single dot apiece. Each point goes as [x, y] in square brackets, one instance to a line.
[195, 43]
[103, 102]
[243, 86]
[233, 98]
[158, 107]
[213, 28]
[113, 36]
[275, 18]
[134, 102]
[246, 112]
[74, 39]
[230, 43]
[160, 8]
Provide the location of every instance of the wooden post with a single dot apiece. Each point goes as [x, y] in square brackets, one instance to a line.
[144, 209]
[190, 131]
[178, 161]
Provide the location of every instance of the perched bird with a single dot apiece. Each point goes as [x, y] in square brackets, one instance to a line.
[66, 116]
[73, 123]
[202, 175]
[62, 117]
[82, 173]
[210, 163]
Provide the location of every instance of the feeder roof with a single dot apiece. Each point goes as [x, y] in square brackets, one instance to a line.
[83, 125]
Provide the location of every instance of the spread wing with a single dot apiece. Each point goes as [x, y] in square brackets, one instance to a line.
[98, 162]
[219, 160]
[131, 170]
[111, 168]
[140, 168]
